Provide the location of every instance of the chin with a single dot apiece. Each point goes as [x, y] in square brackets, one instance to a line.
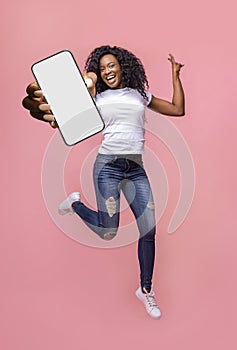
[116, 85]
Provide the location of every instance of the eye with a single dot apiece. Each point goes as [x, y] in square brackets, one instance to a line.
[101, 69]
[111, 65]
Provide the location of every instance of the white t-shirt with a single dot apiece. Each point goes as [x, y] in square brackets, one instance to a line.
[123, 112]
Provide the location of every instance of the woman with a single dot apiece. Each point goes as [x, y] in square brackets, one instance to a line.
[116, 79]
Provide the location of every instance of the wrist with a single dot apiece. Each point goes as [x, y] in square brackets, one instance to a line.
[176, 78]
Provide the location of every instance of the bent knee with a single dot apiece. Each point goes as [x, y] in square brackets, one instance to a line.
[111, 206]
[151, 205]
[109, 236]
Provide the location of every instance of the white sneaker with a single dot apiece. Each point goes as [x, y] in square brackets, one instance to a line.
[66, 206]
[149, 301]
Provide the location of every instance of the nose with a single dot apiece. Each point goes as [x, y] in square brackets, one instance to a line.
[107, 70]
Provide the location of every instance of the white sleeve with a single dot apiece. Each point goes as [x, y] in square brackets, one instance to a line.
[149, 96]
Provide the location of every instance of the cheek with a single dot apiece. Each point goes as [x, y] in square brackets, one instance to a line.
[102, 76]
[119, 73]
[120, 76]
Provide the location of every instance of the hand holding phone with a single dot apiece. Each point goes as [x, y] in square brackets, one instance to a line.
[68, 97]
[35, 101]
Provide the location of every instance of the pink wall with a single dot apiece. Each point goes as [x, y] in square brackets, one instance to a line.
[59, 294]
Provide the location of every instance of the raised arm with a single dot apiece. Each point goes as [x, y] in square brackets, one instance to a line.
[177, 106]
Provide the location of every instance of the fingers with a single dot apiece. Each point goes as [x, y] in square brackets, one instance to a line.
[35, 103]
[38, 94]
[49, 117]
[34, 99]
[44, 107]
[54, 124]
[38, 109]
[34, 92]
[38, 115]
[172, 60]
[31, 104]
[46, 115]
[32, 88]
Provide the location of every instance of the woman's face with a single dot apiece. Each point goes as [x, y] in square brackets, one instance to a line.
[111, 72]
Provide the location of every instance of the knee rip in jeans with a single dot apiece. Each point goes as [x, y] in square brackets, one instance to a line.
[111, 206]
[109, 236]
[151, 205]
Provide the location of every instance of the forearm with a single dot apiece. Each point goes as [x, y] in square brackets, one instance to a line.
[178, 99]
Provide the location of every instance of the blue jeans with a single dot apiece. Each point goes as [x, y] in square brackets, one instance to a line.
[111, 174]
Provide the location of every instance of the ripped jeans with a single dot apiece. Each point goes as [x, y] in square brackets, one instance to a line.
[111, 174]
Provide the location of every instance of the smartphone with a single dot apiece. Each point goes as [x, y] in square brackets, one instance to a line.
[64, 88]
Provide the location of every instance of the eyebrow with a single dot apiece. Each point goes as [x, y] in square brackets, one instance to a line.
[107, 64]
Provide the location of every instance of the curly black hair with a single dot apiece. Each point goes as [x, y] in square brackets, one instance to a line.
[133, 73]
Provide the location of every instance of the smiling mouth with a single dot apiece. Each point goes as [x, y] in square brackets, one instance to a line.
[111, 79]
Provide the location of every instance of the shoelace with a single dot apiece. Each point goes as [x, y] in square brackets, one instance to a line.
[151, 300]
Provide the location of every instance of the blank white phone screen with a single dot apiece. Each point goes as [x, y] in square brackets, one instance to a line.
[70, 101]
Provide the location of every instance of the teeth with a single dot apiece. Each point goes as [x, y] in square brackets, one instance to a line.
[110, 77]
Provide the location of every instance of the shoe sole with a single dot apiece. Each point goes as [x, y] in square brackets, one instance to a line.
[64, 212]
[68, 210]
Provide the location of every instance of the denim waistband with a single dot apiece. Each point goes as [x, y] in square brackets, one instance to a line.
[137, 158]
[113, 157]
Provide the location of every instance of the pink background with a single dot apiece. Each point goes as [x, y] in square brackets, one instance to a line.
[58, 294]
